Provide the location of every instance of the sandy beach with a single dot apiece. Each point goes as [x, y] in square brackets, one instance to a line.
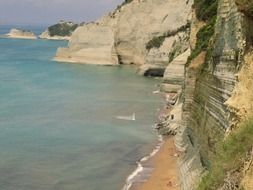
[164, 174]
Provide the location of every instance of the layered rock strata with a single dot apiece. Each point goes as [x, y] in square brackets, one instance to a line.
[189, 163]
[205, 86]
[206, 115]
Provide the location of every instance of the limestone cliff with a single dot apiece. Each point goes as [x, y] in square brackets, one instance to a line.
[214, 93]
[85, 47]
[127, 30]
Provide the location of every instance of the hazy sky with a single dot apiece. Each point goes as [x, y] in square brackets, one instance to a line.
[51, 11]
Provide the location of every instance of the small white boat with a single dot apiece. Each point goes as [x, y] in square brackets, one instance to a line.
[129, 118]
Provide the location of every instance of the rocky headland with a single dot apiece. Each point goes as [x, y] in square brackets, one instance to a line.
[60, 31]
[22, 34]
[137, 32]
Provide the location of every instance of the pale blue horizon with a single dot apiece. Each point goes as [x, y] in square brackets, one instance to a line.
[40, 12]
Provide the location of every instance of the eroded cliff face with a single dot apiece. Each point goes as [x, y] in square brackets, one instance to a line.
[209, 117]
[213, 96]
[128, 30]
[85, 47]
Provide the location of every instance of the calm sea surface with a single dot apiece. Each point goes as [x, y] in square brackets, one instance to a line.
[58, 125]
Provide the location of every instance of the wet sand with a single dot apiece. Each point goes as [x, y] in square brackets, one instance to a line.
[164, 174]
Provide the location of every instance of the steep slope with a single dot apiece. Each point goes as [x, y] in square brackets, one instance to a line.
[214, 97]
[128, 29]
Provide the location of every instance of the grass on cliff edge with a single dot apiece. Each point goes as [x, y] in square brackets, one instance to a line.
[62, 29]
[206, 10]
[157, 41]
[229, 157]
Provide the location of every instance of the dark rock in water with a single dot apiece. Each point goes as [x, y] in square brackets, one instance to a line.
[152, 70]
[158, 72]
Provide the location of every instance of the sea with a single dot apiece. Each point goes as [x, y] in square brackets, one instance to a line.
[70, 126]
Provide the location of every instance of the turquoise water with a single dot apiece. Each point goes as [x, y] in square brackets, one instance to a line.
[58, 125]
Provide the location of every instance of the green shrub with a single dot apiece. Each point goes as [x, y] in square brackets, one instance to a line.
[205, 9]
[230, 156]
[124, 3]
[62, 29]
[157, 41]
[203, 38]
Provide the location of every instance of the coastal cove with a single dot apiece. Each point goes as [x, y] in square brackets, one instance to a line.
[153, 95]
[59, 125]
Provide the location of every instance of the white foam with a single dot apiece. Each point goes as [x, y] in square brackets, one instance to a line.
[139, 169]
[130, 118]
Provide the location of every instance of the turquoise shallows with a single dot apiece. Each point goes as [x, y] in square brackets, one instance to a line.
[58, 125]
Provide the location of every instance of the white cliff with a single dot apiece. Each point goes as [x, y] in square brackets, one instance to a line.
[85, 47]
[126, 31]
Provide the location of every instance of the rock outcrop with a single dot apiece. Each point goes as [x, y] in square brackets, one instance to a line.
[174, 85]
[84, 46]
[208, 95]
[241, 101]
[22, 34]
[60, 31]
[215, 84]
[131, 27]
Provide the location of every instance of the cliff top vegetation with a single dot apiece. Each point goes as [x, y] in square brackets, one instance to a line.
[229, 159]
[62, 29]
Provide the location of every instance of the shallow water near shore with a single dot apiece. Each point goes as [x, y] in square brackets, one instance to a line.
[58, 121]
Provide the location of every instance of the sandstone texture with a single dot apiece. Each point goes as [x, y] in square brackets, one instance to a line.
[241, 101]
[206, 97]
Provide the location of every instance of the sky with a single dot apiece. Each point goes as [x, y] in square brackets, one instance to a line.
[51, 11]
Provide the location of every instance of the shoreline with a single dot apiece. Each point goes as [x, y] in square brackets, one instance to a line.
[142, 170]
[159, 169]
